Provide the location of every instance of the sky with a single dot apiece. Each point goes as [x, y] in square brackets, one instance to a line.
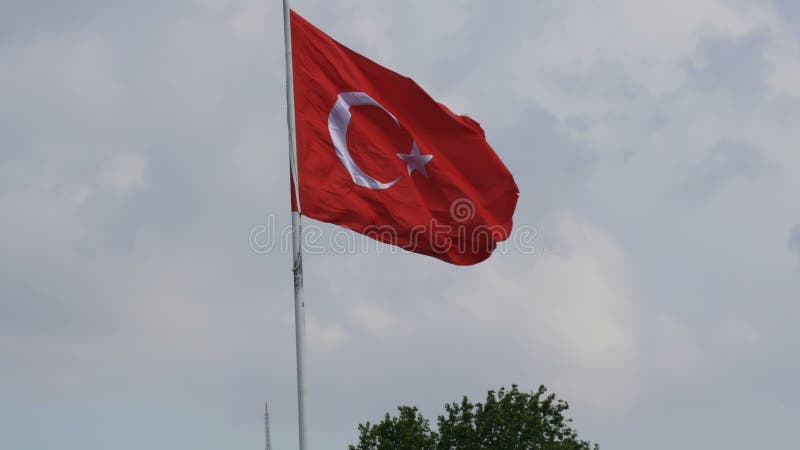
[143, 158]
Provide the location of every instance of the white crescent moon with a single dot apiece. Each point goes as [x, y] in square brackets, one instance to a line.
[338, 122]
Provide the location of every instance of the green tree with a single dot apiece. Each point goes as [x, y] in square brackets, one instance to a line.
[408, 431]
[507, 420]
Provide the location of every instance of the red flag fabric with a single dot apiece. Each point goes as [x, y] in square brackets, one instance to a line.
[379, 156]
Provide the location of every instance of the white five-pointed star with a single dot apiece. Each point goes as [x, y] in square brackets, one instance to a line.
[415, 160]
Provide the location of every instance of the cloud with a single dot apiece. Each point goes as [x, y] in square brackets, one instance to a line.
[789, 9]
[794, 240]
[734, 64]
[565, 316]
[125, 172]
[735, 337]
[728, 161]
[574, 310]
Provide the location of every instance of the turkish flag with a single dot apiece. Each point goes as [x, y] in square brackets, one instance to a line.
[379, 156]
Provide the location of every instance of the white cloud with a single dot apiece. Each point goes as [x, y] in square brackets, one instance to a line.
[676, 354]
[784, 63]
[567, 316]
[575, 310]
[126, 171]
[45, 76]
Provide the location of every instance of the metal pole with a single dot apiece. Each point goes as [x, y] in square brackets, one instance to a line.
[266, 427]
[297, 268]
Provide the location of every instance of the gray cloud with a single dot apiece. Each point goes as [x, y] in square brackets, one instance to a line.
[736, 65]
[794, 240]
[789, 9]
[540, 146]
[727, 162]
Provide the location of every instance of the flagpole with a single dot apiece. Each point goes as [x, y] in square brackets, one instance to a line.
[297, 267]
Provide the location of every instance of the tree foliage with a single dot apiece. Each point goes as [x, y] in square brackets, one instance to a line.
[408, 431]
[507, 420]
